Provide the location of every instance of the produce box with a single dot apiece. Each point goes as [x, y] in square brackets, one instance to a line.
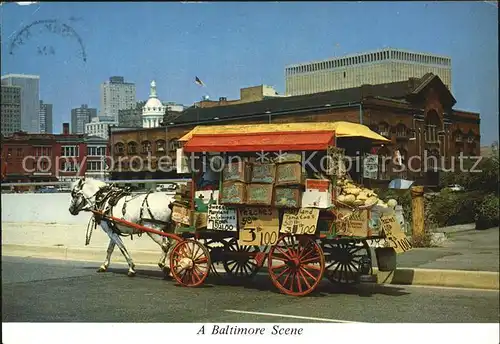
[263, 173]
[233, 193]
[259, 194]
[289, 174]
[236, 172]
[287, 197]
[182, 214]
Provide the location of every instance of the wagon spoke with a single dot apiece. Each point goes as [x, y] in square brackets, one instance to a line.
[201, 260]
[282, 272]
[284, 253]
[299, 285]
[278, 266]
[305, 279]
[313, 267]
[310, 260]
[307, 272]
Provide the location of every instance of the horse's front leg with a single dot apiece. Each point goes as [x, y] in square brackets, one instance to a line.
[118, 241]
[109, 252]
[165, 245]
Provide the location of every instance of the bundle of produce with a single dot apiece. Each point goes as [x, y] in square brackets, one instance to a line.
[355, 196]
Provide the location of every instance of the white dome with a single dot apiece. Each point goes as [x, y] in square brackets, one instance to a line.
[153, 103]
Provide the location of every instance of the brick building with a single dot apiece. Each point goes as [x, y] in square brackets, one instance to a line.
[48, 157]
[417, 115]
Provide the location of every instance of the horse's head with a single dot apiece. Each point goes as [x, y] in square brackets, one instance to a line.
[82, 194]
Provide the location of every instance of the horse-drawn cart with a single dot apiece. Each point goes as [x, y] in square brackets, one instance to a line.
[275, 195]
[269, 194]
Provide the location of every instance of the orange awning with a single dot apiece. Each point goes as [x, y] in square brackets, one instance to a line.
[256, 142]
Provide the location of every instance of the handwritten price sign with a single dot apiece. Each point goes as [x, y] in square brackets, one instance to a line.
[303, 221]
[260, 236]
[394, 235]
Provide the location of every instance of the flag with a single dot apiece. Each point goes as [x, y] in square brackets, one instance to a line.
[198, 81]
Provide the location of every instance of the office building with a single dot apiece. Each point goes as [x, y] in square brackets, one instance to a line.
[30, 99]
[45, 118]
[81, 116]
[116, 95]
[131, 118]
[376, 67]
[10, 109]
[99, 127]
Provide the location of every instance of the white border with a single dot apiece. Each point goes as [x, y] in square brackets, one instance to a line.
[76, 333]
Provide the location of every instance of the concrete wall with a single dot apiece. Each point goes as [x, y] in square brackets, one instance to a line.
[42, 208]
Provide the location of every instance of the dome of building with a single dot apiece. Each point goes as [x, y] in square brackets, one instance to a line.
[153, 110]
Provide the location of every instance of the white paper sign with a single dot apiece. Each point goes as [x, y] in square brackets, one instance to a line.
[182, 161]
[370, 166]
[222, 218]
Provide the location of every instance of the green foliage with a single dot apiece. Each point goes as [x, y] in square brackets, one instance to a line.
[450, 208]
[487, 212]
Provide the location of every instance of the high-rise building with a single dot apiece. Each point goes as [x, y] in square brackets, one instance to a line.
[116, 95]
[45, 118]
[376, 67]
[30, 99]
[81, 116]
[10, 109]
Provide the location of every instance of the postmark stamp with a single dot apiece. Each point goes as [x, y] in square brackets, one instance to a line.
[52, 26]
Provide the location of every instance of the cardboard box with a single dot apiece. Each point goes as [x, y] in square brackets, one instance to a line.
[233, 193]
[318, 194]
[287, 197]
[259, 194]
[351, 223]
[200, 220]
[182, 214]
[263, 173]
[289, 174]
[237, 172]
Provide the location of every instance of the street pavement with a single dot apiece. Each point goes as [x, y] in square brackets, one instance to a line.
[42, 290]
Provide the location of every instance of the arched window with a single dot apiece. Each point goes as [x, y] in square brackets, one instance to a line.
[119, 148]
[146, 147]
[401, 130]
[174, 144]
[458, 135]
[383, 129]
[432, 126]
[160, 145]
[132, 147]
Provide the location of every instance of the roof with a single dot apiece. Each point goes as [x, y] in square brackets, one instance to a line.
[255, 142]
[341, 129]
[400, 90]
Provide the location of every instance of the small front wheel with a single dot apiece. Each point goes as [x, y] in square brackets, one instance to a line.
[190, 263]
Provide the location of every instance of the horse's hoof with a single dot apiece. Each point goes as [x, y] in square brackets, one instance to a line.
[131, 274]
[167, 273]
[101, 269]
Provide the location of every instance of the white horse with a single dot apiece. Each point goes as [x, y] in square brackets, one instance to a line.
[151, 210]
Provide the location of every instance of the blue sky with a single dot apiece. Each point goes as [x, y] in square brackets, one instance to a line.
[234, 45]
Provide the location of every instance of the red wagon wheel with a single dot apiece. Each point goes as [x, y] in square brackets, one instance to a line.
[296, 264]
[190, 263]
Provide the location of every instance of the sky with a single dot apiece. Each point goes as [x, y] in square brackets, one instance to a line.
[240, 44]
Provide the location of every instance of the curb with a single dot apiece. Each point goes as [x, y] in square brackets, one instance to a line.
[401, 276]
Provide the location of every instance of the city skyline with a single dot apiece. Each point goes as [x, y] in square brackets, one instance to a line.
[230, 46]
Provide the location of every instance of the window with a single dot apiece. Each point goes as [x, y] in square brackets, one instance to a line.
[94, 166]
[132, 147]
[174, 144]
[160, 145]
[69, 151]
[146, 147]
[401, 130]
[432, 126]
[119, 148]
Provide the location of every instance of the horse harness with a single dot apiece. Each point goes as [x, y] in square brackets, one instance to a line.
[109, 196]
